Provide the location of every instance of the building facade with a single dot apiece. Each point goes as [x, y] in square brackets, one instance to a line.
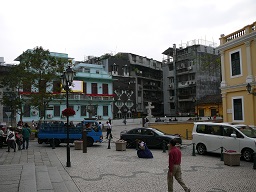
[190, 72]
[238, 65]
[137, 80]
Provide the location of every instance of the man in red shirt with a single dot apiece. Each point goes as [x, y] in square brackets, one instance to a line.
[174, 167]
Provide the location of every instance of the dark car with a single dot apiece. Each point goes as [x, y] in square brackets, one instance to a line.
[151, 136]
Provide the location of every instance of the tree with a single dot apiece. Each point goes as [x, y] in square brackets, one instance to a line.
[35, 75]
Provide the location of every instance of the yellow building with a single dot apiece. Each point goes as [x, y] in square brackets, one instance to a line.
[238, 66]
[209, 106]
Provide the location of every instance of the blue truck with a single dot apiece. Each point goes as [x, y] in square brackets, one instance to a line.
[55, 133]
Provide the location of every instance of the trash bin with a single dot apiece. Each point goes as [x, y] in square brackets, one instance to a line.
[120, 145]
[78, 145]
[231, 158]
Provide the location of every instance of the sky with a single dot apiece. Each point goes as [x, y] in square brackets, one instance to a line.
[84, 28]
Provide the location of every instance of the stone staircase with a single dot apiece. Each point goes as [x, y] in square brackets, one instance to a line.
[44, 178]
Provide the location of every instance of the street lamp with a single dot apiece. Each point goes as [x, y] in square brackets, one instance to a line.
[249, 89]
[67, 79]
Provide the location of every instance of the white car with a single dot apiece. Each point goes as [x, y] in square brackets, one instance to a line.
[210, 137]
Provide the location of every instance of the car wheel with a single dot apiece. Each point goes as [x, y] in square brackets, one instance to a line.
[247, 154]
[89, 142]
[129, 144]
[201, 149]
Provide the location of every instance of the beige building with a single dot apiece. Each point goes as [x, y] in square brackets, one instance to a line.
[238, 65]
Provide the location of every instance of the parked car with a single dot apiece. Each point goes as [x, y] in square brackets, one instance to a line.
[154, 138]
[210, 137]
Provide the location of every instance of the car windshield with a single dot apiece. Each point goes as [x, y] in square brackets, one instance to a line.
[158, 132]
[248, 131]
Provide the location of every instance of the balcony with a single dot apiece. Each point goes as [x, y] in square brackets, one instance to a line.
[91, 97]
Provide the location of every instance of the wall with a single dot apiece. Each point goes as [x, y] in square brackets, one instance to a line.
[175, 128]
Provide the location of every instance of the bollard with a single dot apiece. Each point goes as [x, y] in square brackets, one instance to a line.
[84, 141]
[164, 146]
[254, 160]
[221, 154]
[53, 144]
[109, 142]
[187, 134]
[193, 152]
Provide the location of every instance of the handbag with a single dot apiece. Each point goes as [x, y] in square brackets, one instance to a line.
[10, 135]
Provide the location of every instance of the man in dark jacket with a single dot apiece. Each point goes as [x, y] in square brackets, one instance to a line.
[26, 134]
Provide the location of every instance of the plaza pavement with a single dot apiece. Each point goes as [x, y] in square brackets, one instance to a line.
[41, 168]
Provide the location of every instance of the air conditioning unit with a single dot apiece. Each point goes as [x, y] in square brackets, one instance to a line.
[49, 116]
[190, 68]
[171, 98]
[34, 113]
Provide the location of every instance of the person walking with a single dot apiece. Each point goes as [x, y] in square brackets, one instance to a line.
[11, 139]
[25, 135]
[109, 129]
[174, 167]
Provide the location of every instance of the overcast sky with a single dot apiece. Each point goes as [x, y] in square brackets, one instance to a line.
[83, 28]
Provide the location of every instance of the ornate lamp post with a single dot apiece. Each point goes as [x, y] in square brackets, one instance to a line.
[67, 79]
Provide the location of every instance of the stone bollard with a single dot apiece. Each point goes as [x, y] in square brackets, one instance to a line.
[193, 152]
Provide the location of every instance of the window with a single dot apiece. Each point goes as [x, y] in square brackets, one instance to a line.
[83, 110]
[201, 112]
[27, 87]
[56, 87]
[56, 109]
[94, 88]
[125, 70]
[84, 88]
[105, 88]
[42, 86]
[114, 67]
[105, 110]
[26, 111]
[213, 112]
[238, 109]
[235, 62]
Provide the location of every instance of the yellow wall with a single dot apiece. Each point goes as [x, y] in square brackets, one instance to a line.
[182, 128]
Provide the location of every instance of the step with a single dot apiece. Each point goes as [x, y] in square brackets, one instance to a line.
[43, 182]
[28, 178]
[56, 180]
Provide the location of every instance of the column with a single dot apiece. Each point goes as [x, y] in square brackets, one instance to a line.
[249, 77]
[223, 82]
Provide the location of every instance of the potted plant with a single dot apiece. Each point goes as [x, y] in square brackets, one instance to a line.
[68, 112]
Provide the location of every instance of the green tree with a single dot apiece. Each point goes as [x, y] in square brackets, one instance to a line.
[35, 75]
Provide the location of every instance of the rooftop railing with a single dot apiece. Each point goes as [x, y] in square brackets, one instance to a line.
[237, 34]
